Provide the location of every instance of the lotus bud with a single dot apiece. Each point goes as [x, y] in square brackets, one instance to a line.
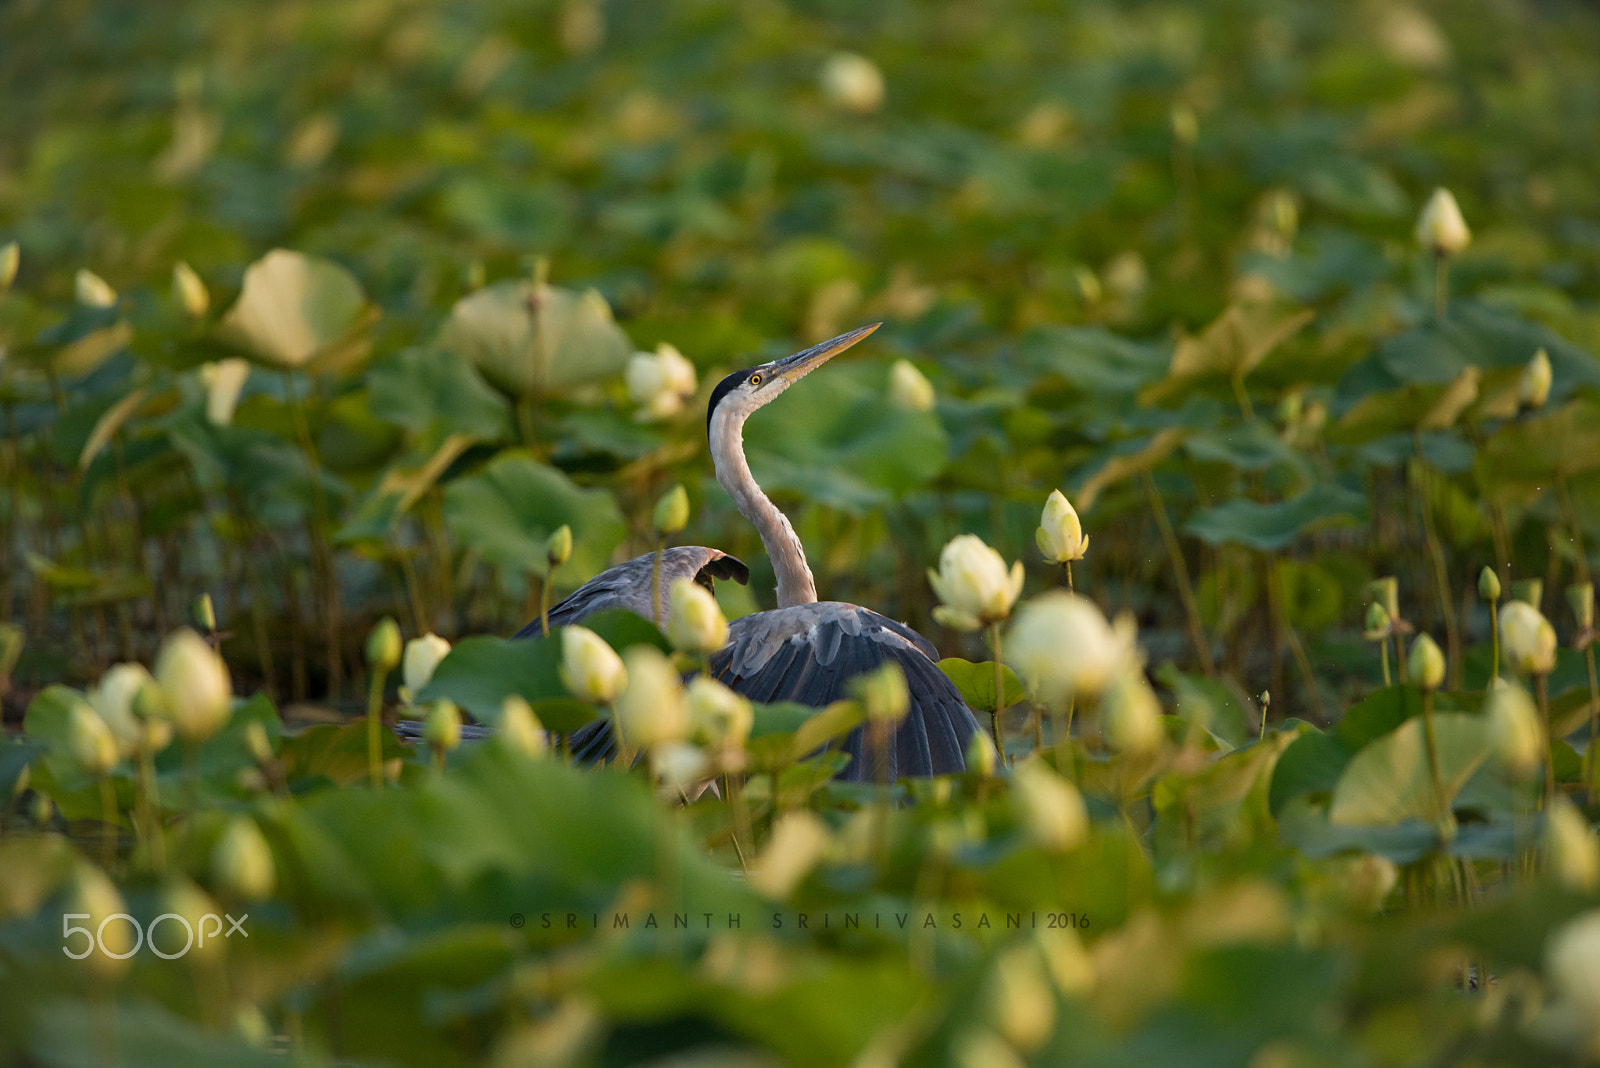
[1060, 534]
[91, 892]
[203, 613]
[1379, 626]
[189, 291]
[695, 623]
[883, 693]
[195, 688]
[910, 388]
[590, 668]
[799, 839]
[1425, 663]
[659, 383]
[113, 699]
[1386, 591]
[157, 735]
[1571, 851]
[224, 381]
[442, 729]
[1489, 585]
[257, 742]
[1087, 284]
[1130, 714]
[679, 766]
[1440, 228]
[1019, 1000]
[1514, 729]
[520, 729]
[1367, 881]
[558, 547]
[651, 711]
[1581, 597]
[241, 861]
[974, 584]
[422, 658]
[1528, 639]
[672, 511]
[1572, 960]
[384, 647]
[1052, 807]
[184, 899]
[1529, 591]
[721, 718]
[1185, 124]
[92, 290]
[1062, 646]
[981, 757]
[1533, 387]
[10, 260]
[90, 741]
[852, 83]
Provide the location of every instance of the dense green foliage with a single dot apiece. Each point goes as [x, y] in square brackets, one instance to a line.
[1158, 255]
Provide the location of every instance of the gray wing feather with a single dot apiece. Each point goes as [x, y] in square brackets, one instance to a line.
[628, 584]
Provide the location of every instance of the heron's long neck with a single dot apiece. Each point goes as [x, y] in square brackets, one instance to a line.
[795, 584]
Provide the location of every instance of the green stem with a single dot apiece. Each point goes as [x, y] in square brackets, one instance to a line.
[108, 823]
[1441, 285]
[1447, 820]
[1180, 571]
[1594, 720]
[999, 690]
[321, 540]
[151, 798]
[1441, 575]
[1542, 690]
[544, 598]
[1068, 565]
[1383, 653]
[375, 730]
[1494, 642]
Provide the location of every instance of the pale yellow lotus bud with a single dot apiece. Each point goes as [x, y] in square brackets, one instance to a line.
[910, 388]
[981, 757]
[189, 291]
[1572, 961]
[1572, 854]
[92, 901]
[195, 688]
[258, 743]
[520, 729]
[672, 511]
[1130, 714]
[113, 700]
[721, 718]
[10, 260]
[192, 936]
[384, 648]
[241, 861]
[1053, 808]
[1440, 228]
[422, 658]
[1386, 591]
[1580, 596]
[442, 729]
[1425, 663]
[1379, 626]
[1126, 275]
[979, 1047]
[695, 623]
[224, 381]
[659, 382]
[1367, 880]
[1018, 1000]
[89, 740]
[1062, 647]
[1060, 535]
[1533, 387]
[1489, 584]
[92, 290]
[883, 693]
[651, 711]
[1527, 638]
[1070, 966]
[799, 839]
[974, 584]
[852, 83]
[1514, 729]
[1185, 124]
[590, 668]
[679, 766]
[558, 546]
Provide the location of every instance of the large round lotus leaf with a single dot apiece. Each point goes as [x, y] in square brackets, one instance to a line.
[506, 511]
[1526, 457]
[1273, 526]
[292, 308]
[1389, 780]
[529, 339]
[422, 389]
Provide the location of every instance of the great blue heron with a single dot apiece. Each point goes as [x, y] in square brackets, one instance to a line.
[805, 650]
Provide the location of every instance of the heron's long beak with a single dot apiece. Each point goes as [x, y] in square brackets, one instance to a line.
[793, 368]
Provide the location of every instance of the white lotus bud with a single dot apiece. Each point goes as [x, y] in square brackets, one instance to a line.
[1514, 729]
[1053, 808]
[90, 741]
[189, 291]
[651, 710]
[224, 381]
[1062, 646]
[241, 861]
[1572, 960]
[184, 899]
[10, 260]
[1425, 663]
[799, 839]
[910, 388]
[1572, 854]
[422, 658]
[981, 757]
[1440, 228]
[1130, 714]
[590, 668]
[195, 687]
[1366, 880]
[852, 83]
[92, 892]
[1533, 386]
[721, 718]
[1019, 1001]
[92, 290]
[973, 583]
[979, 1047]
[113, 700]
[1528, 639]
[520, 729]
[679, 765]
[1060, 534]
[695, 623]
[659, 382]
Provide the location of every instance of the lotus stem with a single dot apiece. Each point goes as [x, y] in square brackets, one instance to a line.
[108, 823]
[375, 730]
[1441, 285]
[1541, 689]
[1180, 571]
[1447, 820]
[999, 690]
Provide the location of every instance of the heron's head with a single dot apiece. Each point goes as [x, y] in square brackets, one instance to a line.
[744, 391]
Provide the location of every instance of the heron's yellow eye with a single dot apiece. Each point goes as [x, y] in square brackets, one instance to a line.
[755, 380]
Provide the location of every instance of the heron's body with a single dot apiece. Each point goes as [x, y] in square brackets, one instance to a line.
[628, 585]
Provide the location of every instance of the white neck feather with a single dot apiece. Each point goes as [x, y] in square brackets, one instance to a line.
[795, 584]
